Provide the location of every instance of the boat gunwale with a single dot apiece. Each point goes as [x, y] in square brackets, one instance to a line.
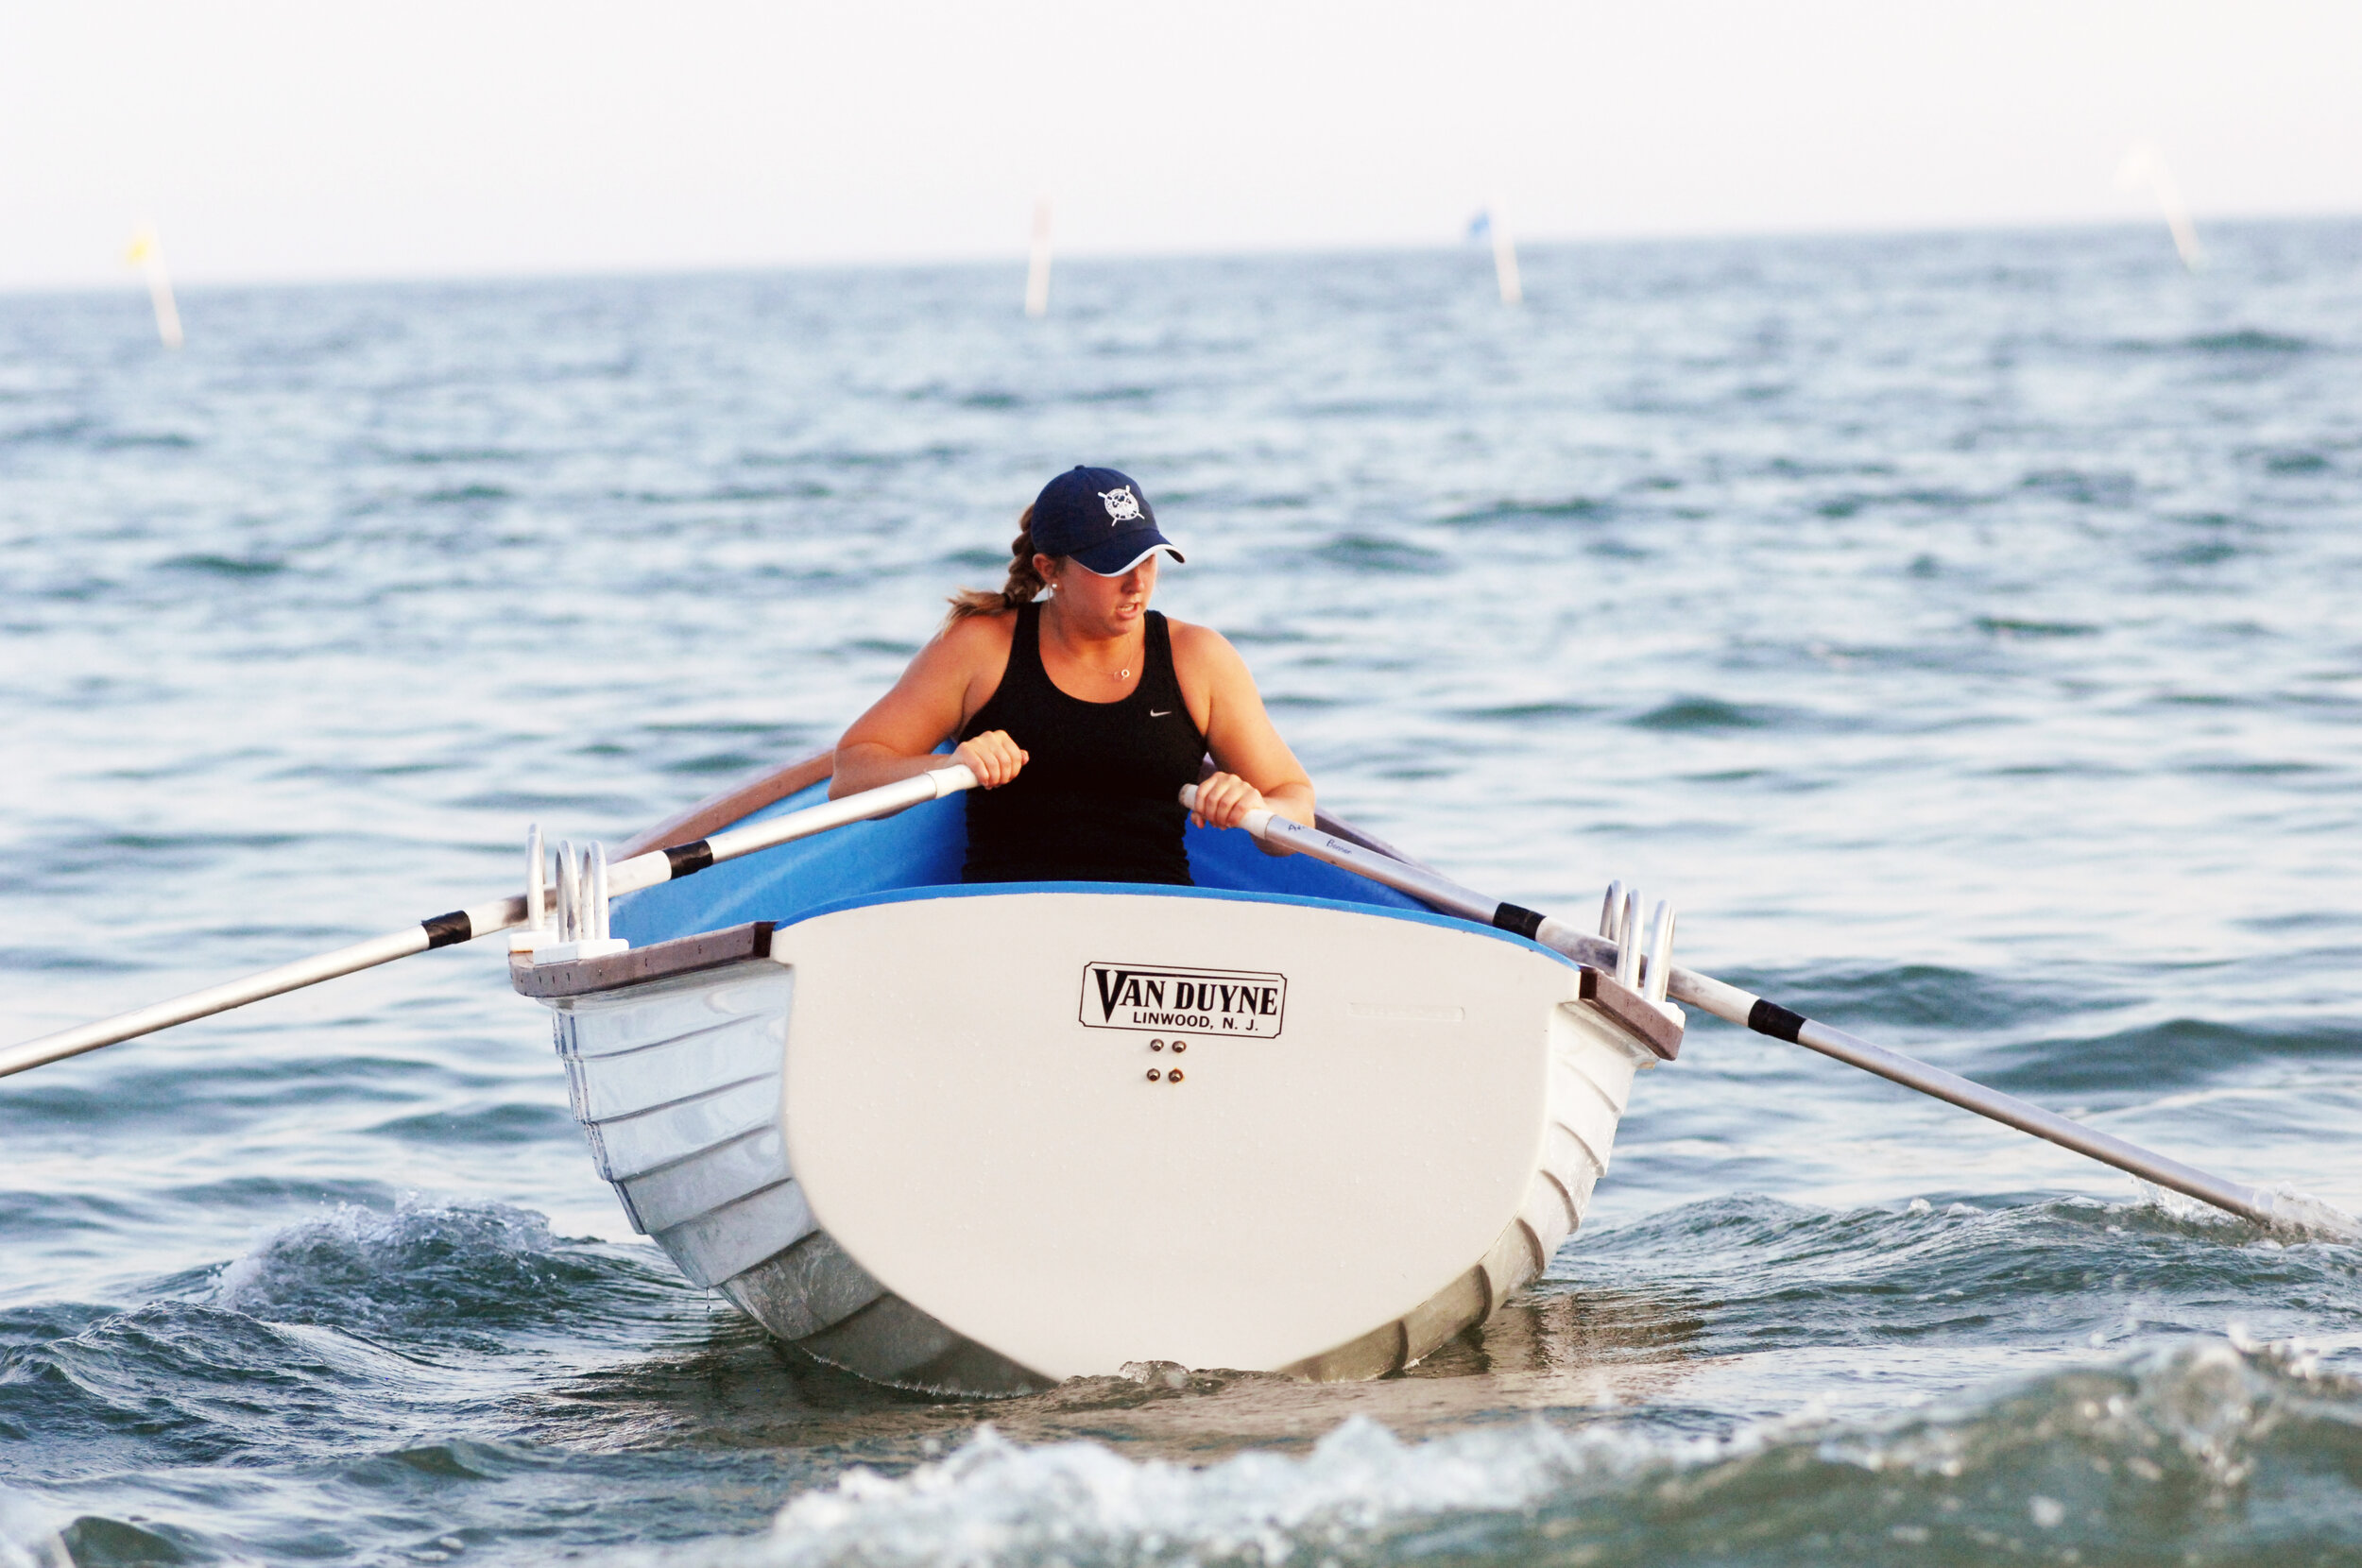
[1166, 890]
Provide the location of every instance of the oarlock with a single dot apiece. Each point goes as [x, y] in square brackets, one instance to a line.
[578, 924]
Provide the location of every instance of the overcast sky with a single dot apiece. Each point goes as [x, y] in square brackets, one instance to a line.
[304, 140]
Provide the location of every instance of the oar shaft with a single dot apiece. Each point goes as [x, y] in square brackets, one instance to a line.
[499, 914]
[2163, 1170]
[441, 931]
[1766, 1017]
[1730, 1003]
[213, 998]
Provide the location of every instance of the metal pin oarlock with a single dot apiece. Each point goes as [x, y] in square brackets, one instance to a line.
[598, 892]
[569, 894]
[1628, 942]
[1657, 977]
[536, 869]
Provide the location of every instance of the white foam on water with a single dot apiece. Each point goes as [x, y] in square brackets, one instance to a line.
[2189, 1420]
[28, 1535]
[994, 1501]
[2296, 1214]
[2313, 1219]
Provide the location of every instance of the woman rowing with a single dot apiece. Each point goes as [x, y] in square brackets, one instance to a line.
[1081, 715]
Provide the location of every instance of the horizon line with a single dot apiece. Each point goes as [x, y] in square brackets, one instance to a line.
[1016, 259]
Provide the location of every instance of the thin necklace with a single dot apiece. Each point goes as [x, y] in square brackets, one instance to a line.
[1115, 674]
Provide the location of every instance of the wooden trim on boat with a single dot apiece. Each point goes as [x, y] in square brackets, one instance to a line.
[717, 811]
[1633, 1011]
[683, 956]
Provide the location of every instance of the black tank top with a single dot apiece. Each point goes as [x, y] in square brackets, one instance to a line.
[1099, 799]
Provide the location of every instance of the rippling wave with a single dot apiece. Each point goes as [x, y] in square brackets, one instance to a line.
[2199, 1451]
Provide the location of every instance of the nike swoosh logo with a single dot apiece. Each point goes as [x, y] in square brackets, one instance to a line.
[1166, 714]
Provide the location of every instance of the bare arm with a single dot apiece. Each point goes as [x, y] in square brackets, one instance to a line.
[897, 736]
[1256, 766]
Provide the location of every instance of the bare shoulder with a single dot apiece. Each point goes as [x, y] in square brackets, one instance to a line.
[1202, 650]
[972, 640]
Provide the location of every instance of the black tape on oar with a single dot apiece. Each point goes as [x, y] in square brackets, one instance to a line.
[1770, 1017]
[449, 930]
[686, 859]
[1514, 917]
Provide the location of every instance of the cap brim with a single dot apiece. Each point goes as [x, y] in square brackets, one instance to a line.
[1114, 558]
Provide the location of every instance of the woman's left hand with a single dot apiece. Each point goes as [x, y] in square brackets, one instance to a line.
[1223, 799]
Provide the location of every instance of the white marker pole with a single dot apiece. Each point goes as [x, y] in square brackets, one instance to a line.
[2144, 164]
[1037, 269]
[147, 254]
[1505, 258]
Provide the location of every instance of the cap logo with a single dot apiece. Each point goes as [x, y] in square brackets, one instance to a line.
[1122, 506]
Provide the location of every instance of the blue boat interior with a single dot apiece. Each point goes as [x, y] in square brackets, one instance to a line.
[924, 847]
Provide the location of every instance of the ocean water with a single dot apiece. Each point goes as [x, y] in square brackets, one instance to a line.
[1959, 628]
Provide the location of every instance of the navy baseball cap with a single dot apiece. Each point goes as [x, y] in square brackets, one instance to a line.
[1100, 518]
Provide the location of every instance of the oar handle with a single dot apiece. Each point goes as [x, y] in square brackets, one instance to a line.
[499, 914]
[1749, 1011]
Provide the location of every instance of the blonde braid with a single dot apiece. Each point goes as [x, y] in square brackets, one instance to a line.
[1023, 587]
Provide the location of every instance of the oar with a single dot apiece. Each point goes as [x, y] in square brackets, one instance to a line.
[2266, 1208]
[498, 914]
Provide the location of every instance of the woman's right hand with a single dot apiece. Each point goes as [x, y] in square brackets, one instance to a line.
[992, 757]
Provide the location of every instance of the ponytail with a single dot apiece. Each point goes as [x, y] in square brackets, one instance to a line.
[1023, 587]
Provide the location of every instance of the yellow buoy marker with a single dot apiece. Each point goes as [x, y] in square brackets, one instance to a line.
[147, 254]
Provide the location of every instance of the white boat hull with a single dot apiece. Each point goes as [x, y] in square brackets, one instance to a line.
[917, 1137]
